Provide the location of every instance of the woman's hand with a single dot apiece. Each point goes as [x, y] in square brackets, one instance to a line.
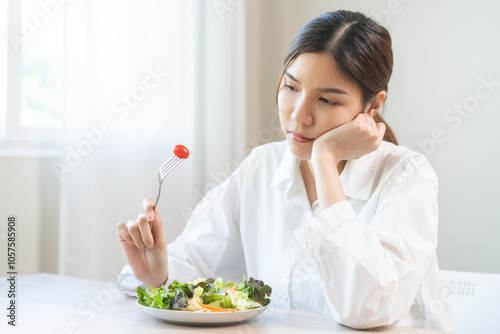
[145, 246]
[349, 141]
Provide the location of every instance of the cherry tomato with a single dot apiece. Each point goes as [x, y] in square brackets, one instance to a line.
[181, 151]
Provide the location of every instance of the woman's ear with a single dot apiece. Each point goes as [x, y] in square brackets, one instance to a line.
[377, 104]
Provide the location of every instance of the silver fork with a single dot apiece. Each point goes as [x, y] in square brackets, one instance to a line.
[180, 153]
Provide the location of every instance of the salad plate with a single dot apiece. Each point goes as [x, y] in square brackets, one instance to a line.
[205, 301]
[202, 318]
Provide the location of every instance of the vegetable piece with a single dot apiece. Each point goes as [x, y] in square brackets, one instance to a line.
[217, 309]
[260, 290]
[181, 151]
[180, 301]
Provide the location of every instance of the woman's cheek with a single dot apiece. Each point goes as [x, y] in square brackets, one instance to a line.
[282, 109]
[285, 105]
[283, 122]
[281, 101]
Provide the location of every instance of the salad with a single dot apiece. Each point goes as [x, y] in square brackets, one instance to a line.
[207, 295]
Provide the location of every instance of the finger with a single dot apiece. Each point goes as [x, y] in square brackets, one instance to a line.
[359, 117]
[148, 205]
[370, 121]
[362, 122]
[365, 119]
[159, 235]
[123, 234]
[135, 233]
[145, 229]
[381, 130]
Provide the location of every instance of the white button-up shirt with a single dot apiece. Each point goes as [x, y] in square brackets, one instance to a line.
[368, 261]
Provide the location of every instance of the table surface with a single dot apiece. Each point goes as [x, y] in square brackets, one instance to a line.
[55, 304]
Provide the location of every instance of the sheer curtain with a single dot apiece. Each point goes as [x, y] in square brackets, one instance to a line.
[141, 77]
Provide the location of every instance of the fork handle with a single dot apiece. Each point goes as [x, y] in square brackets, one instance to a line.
[157, 198]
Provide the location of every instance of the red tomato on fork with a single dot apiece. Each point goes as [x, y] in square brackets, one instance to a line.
[181, 151]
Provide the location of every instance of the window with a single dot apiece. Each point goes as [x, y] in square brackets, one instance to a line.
[31, 93]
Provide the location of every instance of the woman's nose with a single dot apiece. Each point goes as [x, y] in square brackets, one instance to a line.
[301, 113]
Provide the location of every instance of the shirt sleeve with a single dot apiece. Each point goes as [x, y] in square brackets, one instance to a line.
[370, 272]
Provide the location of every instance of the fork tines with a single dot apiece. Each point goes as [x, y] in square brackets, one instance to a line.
[169, 165]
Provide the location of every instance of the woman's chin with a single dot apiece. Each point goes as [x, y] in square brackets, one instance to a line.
[300, 151]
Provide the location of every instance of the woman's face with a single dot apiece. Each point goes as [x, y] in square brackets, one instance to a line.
[314, 98]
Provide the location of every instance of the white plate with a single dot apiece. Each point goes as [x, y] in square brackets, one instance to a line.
[202, 318]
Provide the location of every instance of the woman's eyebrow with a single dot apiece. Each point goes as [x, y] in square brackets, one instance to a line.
[291, 77]
[324, 90]
[332, 90]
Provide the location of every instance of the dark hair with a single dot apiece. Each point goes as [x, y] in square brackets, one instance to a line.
[360, 47]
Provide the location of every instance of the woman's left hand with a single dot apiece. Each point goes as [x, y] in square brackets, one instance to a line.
[351, 140]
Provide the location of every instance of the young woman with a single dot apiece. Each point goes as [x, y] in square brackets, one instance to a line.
[337, 218]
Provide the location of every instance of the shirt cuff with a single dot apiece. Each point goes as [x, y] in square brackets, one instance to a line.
[126, 282]
[326, 223]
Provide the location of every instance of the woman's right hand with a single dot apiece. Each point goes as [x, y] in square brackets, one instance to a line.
[145, 246]
[351, 140]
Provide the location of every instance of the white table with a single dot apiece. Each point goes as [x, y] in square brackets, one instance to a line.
[56, 304]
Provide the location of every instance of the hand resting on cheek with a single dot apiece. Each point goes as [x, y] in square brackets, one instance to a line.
[351, 140]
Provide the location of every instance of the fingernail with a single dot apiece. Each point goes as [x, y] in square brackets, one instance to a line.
[149, 246]
[150, 216]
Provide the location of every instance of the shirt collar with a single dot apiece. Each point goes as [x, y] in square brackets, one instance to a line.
[288, 174]
[357, 177]
[287, 169]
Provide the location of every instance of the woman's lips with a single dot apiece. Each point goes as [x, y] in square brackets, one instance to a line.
[298, 138]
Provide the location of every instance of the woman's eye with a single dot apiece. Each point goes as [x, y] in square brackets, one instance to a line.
[290, 88]
[325, 101]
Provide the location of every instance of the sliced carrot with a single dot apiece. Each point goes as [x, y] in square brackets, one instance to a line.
[217, 309]
[231, 289]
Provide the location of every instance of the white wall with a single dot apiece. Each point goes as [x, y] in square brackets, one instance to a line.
[30, 190]
[441, 50]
